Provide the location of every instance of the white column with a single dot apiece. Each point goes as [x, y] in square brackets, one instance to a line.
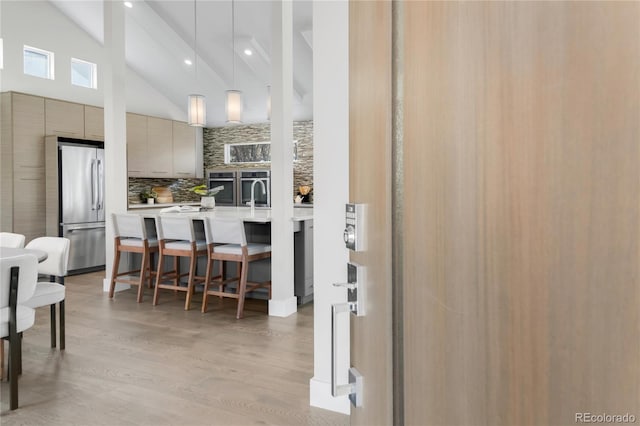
[331, 192]
[115, 133]
[283, 301]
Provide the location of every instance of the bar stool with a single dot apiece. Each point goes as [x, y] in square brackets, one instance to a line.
[132, 236]
[177, 238]
[226, 241]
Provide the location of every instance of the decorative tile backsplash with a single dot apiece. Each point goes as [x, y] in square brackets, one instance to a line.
[180, 188]
[214, 139]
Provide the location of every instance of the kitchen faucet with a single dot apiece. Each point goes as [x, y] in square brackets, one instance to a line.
[252, 203]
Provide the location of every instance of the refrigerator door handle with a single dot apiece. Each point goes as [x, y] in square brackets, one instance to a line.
[100, 183]
[94, 195]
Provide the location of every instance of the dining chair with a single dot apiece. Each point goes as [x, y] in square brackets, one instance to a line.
[177, 237]
[52, 292]
[9, 239]
[132, 236]
[227, 241]
[18, 277]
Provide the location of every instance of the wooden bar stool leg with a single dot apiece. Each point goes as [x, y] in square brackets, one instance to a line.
[242, 286]
[158, 277]
[190, 285]
[176, 267]
[114, 271]
[207, 281]
[149, 270]
[143, 269]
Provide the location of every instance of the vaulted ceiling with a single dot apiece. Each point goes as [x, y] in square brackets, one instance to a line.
[161, 34]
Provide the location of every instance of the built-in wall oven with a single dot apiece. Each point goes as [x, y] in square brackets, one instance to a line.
[227, 179]
[246, 179]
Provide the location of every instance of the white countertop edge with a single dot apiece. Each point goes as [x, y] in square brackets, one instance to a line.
[261, 215]
[161, 206]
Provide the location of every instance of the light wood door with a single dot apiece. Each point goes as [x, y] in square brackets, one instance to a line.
[516, 210]
[64, 118]
[184, 150]
[521, 183]
[93, 123]
[369, 183]
[160, 147]
[137, 145]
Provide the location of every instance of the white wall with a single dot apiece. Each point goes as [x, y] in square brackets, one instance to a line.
[331, 192]
[40, 24]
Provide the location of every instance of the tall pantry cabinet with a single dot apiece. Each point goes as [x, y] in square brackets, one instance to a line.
[22, 158]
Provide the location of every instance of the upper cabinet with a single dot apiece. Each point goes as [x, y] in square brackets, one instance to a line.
[93, 123]
[137, 145]
[184, 150]
[159, 147]
[64, 118]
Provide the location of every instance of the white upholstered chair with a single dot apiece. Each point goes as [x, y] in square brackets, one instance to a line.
[50, 293]
[177, 238]
[132, 236]
[226, 241]
[18, 277]
[9, 239]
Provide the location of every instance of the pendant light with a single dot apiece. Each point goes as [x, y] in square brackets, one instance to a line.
[268, 103]
[197, 109]
[234, 97]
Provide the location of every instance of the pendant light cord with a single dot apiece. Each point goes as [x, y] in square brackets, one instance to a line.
[233, 41]
[195, 40]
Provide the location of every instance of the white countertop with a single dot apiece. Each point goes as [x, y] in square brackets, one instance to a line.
[260, 215]
[160, 206]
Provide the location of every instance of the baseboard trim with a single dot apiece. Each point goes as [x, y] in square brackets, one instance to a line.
[283, 307]
[119, 287]
[320, 396]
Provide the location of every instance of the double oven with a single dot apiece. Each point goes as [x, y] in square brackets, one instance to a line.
[237, 186]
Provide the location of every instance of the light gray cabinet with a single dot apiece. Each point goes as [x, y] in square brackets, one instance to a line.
[303, 261]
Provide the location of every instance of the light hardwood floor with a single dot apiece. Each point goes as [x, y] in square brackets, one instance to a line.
[135, 364]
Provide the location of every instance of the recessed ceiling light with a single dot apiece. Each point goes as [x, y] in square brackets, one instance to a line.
[128, 4]
[188, 61]
[248, 52]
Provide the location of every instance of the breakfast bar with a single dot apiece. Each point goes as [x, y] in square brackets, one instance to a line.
[257, 223]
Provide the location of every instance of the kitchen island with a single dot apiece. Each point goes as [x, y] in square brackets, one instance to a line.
[258, 230]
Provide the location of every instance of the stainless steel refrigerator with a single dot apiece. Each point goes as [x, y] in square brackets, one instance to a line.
[81, 202]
